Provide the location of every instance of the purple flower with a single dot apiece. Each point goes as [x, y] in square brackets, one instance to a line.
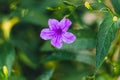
[57, 32]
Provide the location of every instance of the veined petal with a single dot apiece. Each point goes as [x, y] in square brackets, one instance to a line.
[68, 37]
[57, 42]
[53, 24]
[65, 24]
[46, 34]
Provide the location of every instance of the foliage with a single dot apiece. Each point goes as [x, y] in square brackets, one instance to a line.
[94, 55]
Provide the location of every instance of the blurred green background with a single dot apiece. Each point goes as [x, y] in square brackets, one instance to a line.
[25, 56]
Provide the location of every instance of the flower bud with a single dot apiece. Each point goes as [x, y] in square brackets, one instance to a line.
[87, 5]
[115, 18]
[5, 71]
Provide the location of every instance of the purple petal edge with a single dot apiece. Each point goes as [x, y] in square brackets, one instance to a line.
[68, 37]
[65, 24]
[56, 42]
[46, 34]
[53, 24]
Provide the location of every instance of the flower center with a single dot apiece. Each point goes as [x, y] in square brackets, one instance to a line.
[59, 31]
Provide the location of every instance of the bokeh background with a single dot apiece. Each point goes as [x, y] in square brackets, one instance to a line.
[25, 56]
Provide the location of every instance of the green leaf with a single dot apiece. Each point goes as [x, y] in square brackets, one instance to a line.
[26, 40]
[6, 56]
[72, 70]
[76, 75]
[116, 5]
[16, 77]
[35, 16]
[81, 56]
[118, 23]
[47, 3]
[79, 44]
[2, 76]
[106, 35]
[47, 75]
[24, 58]
[31, 15]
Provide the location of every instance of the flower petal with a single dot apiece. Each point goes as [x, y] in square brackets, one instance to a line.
[65, 24]
[68, 37]
[53, 24]
[46, 34]
[57, 42]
